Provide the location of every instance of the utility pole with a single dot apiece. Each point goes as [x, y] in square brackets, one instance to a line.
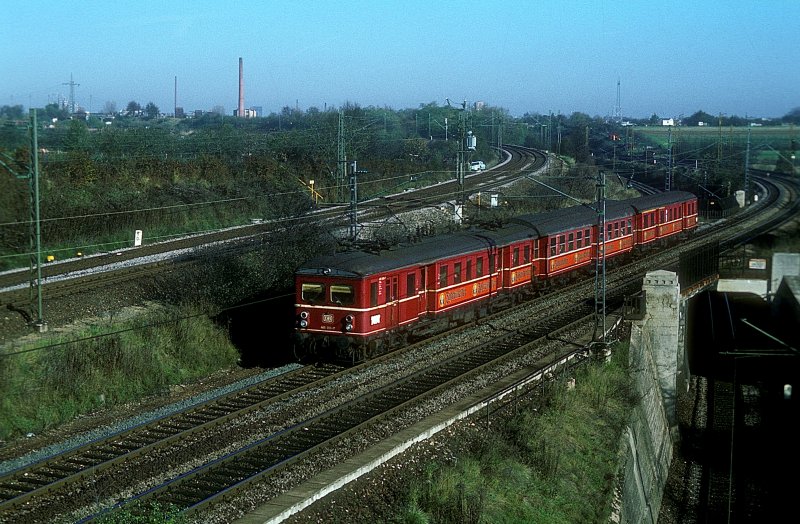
[354, 201]
[668, 178]
[747, 170]
[341, 159]
[600, 255]
[72, 86]
[35, 315]
[36, 238]
[600, 260]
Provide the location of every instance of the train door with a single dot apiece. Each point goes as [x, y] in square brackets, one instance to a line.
[391, 301]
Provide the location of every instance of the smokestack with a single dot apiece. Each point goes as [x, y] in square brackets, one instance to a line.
[241, 89]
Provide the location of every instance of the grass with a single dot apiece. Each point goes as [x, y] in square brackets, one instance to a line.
[59, 378]
[532, 468]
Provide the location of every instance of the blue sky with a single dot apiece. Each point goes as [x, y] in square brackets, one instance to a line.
[671, 58]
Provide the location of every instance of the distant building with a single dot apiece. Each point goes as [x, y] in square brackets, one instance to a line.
[479, 105]
[258, 110]
[248, 113]
[179, 113]
[668, 122]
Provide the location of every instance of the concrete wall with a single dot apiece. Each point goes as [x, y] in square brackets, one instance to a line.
[658, 368]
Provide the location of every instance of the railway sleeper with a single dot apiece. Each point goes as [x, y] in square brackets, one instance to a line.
[62, 470]
[177, 426]
[178, 498]
[216, 412]
[9, 490]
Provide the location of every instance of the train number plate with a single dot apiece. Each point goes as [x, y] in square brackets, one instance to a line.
[327, 318]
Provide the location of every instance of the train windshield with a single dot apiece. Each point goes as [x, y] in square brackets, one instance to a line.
[342, 294]
[311, 292]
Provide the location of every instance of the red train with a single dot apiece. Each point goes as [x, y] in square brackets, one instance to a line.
[353, 304]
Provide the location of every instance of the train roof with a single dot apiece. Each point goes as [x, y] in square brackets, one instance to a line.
[570, 218]
[354, 264]
[647, 202]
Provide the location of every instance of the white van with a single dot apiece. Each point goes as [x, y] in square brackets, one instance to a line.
[477, 165]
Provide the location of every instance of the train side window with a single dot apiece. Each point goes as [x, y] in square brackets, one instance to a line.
[492, 263]
[579, 239]
[526, 254]
[469, 269]
[312, 292]
[587, 238]
[561, 239]
[411, 284]
[536, 249]
[609, 231]
[616, 229]
[373, 294]
[479, 267]
[443, 276]
[515, 257]
[342, 294]
[552, 246]
[457, 273]
[630, 226]
[571, 242]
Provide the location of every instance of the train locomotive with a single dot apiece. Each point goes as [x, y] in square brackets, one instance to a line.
[354, 305]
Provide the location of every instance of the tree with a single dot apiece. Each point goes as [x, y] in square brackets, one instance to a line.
[110, 107]
[792, 117]
[699, 116]
[151, 110]
[51, 111]
[133, 107]
[12, 112]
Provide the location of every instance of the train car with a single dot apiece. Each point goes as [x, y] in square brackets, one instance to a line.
[664, 214]
[354, 304]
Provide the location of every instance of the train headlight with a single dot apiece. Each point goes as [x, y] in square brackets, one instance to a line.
[304, 323]
[349, 319]
[304, 315]
[348, 327]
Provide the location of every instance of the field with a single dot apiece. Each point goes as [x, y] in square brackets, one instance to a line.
[767, 144]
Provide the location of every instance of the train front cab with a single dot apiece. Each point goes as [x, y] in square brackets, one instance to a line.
[328, 314]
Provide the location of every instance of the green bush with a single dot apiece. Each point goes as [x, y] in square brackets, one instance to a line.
[45, 385]
[555, 467]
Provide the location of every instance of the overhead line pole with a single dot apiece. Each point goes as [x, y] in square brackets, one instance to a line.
[600, 259]
[36, 238]
[34, 315]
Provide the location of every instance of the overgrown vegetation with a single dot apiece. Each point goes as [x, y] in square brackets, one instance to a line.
[59, 377]
[554, 466]
[153, 513]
